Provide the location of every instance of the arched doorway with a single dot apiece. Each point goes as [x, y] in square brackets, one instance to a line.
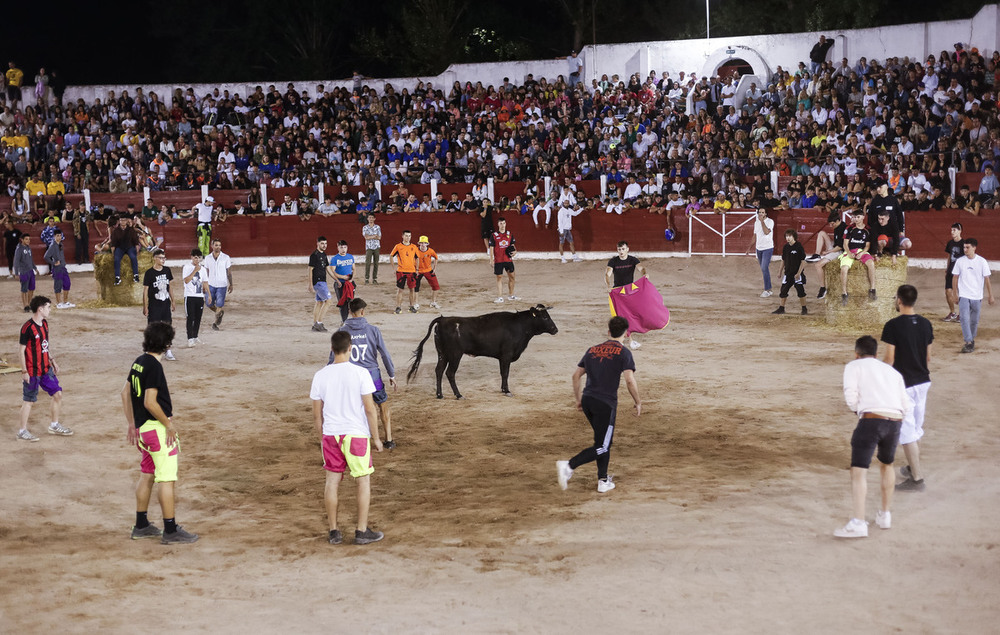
[734, 66]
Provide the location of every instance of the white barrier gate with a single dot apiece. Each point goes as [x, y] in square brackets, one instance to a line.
[695, 222]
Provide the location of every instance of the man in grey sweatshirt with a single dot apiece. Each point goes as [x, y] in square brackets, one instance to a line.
[366, 346]
[56, 259]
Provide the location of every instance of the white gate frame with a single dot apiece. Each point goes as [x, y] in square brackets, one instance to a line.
[750, 216]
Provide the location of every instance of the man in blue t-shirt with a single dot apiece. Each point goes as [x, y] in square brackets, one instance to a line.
[343, 271]
[604, 365]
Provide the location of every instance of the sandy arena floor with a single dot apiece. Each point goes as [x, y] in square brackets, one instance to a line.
[729, 485]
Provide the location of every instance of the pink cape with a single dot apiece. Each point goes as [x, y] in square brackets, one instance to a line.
[641, 304]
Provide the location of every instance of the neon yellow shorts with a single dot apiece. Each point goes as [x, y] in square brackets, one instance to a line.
[158, 458]
[341, 452]
[848, 261]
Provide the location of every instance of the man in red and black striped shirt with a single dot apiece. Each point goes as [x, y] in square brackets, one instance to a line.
[38, 369]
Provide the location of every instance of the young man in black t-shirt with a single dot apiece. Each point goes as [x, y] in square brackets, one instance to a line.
[792, 273]
[148, 412]
[319, 264]
[857, 247]
[908, 340]
[604, 365]
[621, 271]
[955, 250]
[158, 297]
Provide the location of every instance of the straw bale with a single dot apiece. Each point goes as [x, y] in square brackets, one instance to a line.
[861, 316]
[128, 293]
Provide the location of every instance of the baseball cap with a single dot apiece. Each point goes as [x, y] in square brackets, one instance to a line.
[882, 237]
[423, 239]
[209, 199]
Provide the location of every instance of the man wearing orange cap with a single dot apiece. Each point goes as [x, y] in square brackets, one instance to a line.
[427, 260]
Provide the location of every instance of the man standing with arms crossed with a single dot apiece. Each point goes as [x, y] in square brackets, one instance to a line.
[366, 345]
[876, 392]
[502, 250]
[319, 267]
[406, 271]
[38, 369]
[908, 340]
[220, 281]
[343, 408]
[158, 297]
[604, 366]
[372, 234]
[973, 272]
[149, 426]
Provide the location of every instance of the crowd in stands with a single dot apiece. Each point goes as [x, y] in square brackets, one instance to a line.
[831, 127]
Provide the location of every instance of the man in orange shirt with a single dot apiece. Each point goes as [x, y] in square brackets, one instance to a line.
[427, 260]
[406, 254]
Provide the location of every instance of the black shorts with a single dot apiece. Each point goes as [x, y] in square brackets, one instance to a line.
[871, 434]
[500, 267]
[159, 312]
[787, 284]
[948, 277]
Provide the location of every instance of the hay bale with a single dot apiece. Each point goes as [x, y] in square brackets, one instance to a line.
[128, 293]
[861, 316]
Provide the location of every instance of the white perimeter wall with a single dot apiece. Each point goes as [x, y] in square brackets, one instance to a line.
[701, 56]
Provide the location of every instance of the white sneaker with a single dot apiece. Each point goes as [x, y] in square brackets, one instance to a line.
[577, 259]
[170, 356]
[514, 297]
[498, 301]
[563, 473]
[69, 305]
[563, 260]
[24, 435]
[435, 305]
[883, 519]
[635, 345]
[605, 485]
[197, 340]
[766, 294]
[416, 306]
[58, 429]
[854, 528]
[60, 306]
[191, 343]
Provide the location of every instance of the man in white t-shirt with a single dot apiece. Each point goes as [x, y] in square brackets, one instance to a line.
[564, 223]
[763, 233]
[195, 287]
[973, 272]
[220, 281]
[343, 406]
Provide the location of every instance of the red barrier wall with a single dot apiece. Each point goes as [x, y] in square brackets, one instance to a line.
[261, 236]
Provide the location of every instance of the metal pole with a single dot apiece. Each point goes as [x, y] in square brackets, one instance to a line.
[708, 24]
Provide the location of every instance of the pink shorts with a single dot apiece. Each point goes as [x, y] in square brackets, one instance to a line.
[341, 452]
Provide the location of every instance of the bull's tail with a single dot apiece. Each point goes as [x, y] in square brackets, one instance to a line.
[419, 353]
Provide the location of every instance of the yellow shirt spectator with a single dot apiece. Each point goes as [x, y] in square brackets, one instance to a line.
[14, 76]
[722, 204]
[54, 187]
[34, 187]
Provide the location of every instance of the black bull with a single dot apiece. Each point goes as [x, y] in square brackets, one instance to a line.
[503, 336]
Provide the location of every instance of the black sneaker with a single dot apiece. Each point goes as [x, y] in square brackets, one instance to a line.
[779, 311]
[872, 296]
[843, 300]
[805, 311]
[389, 445]
[135, 277]
[813, 258]
[967, 348]
[179, 537]
[398, 310]
[909, 485]
[321, 328]
[27, 309]
[335, 537]
[413, 309]
[821, 294]
[118, 280]
[149, 531]
[367, 536]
